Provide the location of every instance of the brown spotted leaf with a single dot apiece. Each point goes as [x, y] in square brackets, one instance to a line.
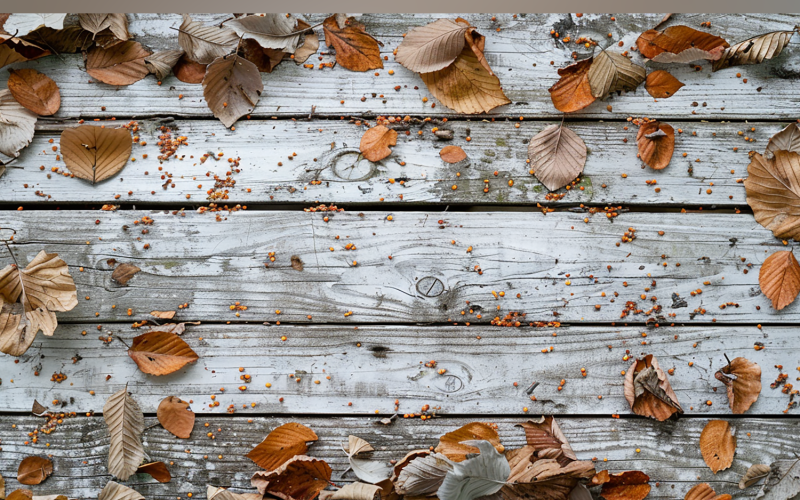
[124, 272]
[773, 192]
[680, 44]
[301, 478]
[120, 64]
[656, 142]
[451, 444]
[743, 379]
[629, 485]
[232, 87]
[34, 470]
[376, 141]
[432, 47]
[125, 422]
[648, 391]
[175, 416]
[157, 470]
[717, 445]
[754, 50]
[356, 50]
[161, 353]
[161, 63]
[661, 84]
[754, 474]
[452, 154]
[35, 91]
[572, 92]
[282, 444]
[612, 72]
[96, 153]
[779, 278]
[203, 44]
[703, 491]
[557, 155]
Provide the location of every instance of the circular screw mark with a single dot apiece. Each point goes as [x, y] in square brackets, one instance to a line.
[430, 286]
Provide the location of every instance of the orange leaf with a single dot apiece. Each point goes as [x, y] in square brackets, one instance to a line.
[648, 391]
[779, 278]
[161, 353]
[680, 44]
[743, 380]
[282, 444]
[355, 49]
[301, 478]
[158, 471]
[451, 445]
[703, 491]
[656, 143]
[717, 445]
[572, 91]
[661, 84]
[34, 470]
[452, 154]
[163, 314]
[629, 485]
[189, 71]
[376, 141]
[773, 192]
[35, 91]
[175, 416]
[121, 64]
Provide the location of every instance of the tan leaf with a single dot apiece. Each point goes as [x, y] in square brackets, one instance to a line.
[163, 314]
[264, 59]
[611, 72]
[411, 455]
[39, 409]
[376, 141]
[35, 91]
[477, 43]
[465, 86]
[680, 44]
[648, 391]
[157, 470]
[116, 491]
[125, 422]
[20, 495]
[204, 44]
[96, 153]
[271, 31]
[754, 50]
[787, 139]
[23, 23]
[355, 49]
[656, 142]
[124, 272]
[175, 416]
[717, 445]
[115, 23]
[189, 71]
[34, 470]
[13, 50]
[421, 474]
[232, 87]
[310, 43]
[297, 263]
[451, 445]
[572, 92]
[779, 278]
[629, 485]
[754, 474]
[357, 491]
[743, 377]
[161, 63]
[357, 445]
[542, 479]
[2, 488]
[161, 353]
[121, 64]
[214, 493]
[557, 155]
[452, 154]
[703, 491]
[773, 192]
[301, 478]
[661, 84]
[432, 47]
[545, 437]
[16, 125]
[282, 444]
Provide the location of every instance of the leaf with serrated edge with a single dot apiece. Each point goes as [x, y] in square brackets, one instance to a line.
[432, 47]
[787, 139]
[557, 155]
[116, 491]
[754, 474]
[203, 44]
[476, 477]
[271, 31]
[16, 125]
[611, 72]
[96, 153]
[232, 87]
[34, 90]
[754, 50]
[773, 192]
[161, 63]
[779, 278]
[717, 445]
[125, 422]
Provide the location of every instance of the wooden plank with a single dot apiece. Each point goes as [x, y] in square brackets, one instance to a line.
[327, 153]
[553, 267]
[520, 54]
[668, 452]
[347, 371]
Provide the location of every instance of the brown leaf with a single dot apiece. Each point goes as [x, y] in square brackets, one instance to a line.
[161, 63]
[572, 92]
[557, 155]
[420, 473]
[612, 72]
[754, 474]
[356, 50]
[656, 142]
[542, 479]
[680, 44]
[34, 470]
[158, 471]
[717, 445]
[2, 488]
[232, 87]
[432, 47]
[661, 84]
[125, 422]
[451, 445]
[703, 491]
[189, 71]
[779, 278]
[38, 409]
[35, 91]
[271, 30]
[743, 377]
[356, 445]
[376, 141]
[16, 125]
[203, 44]
[282, 444]
[452, 154]
[357, 491]
[13, 50]
[297, 263]
[121, 64]
[163, 314]
[20, 495]
[96, 153]
[547, 440]
[214, 493]
[175, 416]
[477, 43]
[70, 40]
[773, 192]
[754, 50]
[301, 478]
[115, 23]
[648, 391]
[124, 272]
[310, 43]
[264, 59]
[787, 139]
[161, 353]
[629, 485]
[115, 491]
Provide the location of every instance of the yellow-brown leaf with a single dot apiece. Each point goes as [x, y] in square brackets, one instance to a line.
[161, 353]
[661, 84]
[282, 444]
[717, 445]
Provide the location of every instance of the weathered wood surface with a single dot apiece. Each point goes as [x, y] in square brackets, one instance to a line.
[268, 175]
[373, 366]
[520, 54]
[557, 264]
[669, 452]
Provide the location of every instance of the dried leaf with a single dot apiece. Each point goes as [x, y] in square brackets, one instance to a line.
[176, 328]
[355, 49]
[96, 153]
[476, 477]
[16, 125]
[545, 437]
[779, 279]
[189, 71]
[661, 84]
[754, 474]
[271, 31]
[376, 141]
[125, 422]
[423, 474]
[656, 142]
[773, 192]
[557, 155]
[310, 43]
[629, 485]
[35, 91]
[115, 23]
[203, 44]
[543, 478]
[175, 416]
[22, 24]
[214, 493]
[787, 139]
[754, 50]
[120, 64]
[680, 44]
[580, 492]
[477, 43]
[611, 72]
[432, 47]
[264, 59]
[282, 444]
[648, 391]
[451, 445]
[232, 87]
[703, 491]
[572, 92]
[20, 495]
[161, 63]
[357, 445]
[2, 488]
[717, 445]
[161, 353]
[357, 491]
[38, 409]
[70, 40]
[13, 50]
[452, 154]
[783, 481]
[743, 377]
[124, 272]
[34, 470]
[301, 478]
[157, 470]
[116, 491]
[163, 314]
[370, 471]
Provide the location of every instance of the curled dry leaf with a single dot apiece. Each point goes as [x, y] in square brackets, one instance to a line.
[117, 24]
[35, 91]
[476, 477]
[557, 155]
[611, 72]
[356, 445]
[95, 153]
[301, 478]
[356, 50]
[282, 444]
[189, 71]
[370, 471]
[264, 59]
[271, 31]
[357, 491]
[703, 491]
[376, 141]
[661, 84]
[116, 491]
[232, 87]
[203, 44]
[34, 470]
[452, 444]
[773, 192]
[572, 92]
[779, 278]
[629, 485]
[157, 470]
[13, 50]
[120, 64]
[754, 474]
[754, 50]
[16, 125]
[125, 422]
[432, 47]
[452, 154]
[175, 416]
[783, 481]
[22, 24]
[680, 44]
[546, 439]
[656, 142]
[787, 139]
[421, 473]
[161, 63]
[743, 381]
[161, 353]
[124, 272]
[297, 263]
[310, 43]
[648, 391]
[717, 445]
[542, 478]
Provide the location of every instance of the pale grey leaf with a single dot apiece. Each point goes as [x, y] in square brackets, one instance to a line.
[424, 475]
[432, 47]
[783, 481]
[787, 139]
[476, 477]
[22, 24]
[271, 31]
[203, 43]
[16, 125]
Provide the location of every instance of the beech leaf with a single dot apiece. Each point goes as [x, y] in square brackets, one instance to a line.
[773, 192]
[301, 478]
[557, 155]
[22, 24]
[271, 31]
[572, 92]
[656, 142]
[611, 72]
[742, 379]
[376, 141]
[96, 153]
[310, 43]
[175, 416]
[157, 470]
[452, 154]
[779, 278]
[70, 40]
[355, 49]
[203, 44]
[189, 71]
[453, 444]
[125, 422]
[281, 445]
[232, 87]
[661, 84]
[116, 491]
[787, 139]
[120, 64]
[754, 474]
[432, 47]
[13, 50]
[370, 471]
[629, 485]
[648, 391]
[161, 353]
[476, 477]
[680, 44]
[421, 473]
[264, 59]
[357, 491]
[214, 493]
[115, 23]
[16, 125]
[717, 445]
[35, 91]
[754, 50]
[783, 481]
[124, 272]
[703, 491]
[545, 436]
[34, 470]
[161, 63]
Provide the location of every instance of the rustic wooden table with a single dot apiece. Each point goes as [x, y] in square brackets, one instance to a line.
[416, 283]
